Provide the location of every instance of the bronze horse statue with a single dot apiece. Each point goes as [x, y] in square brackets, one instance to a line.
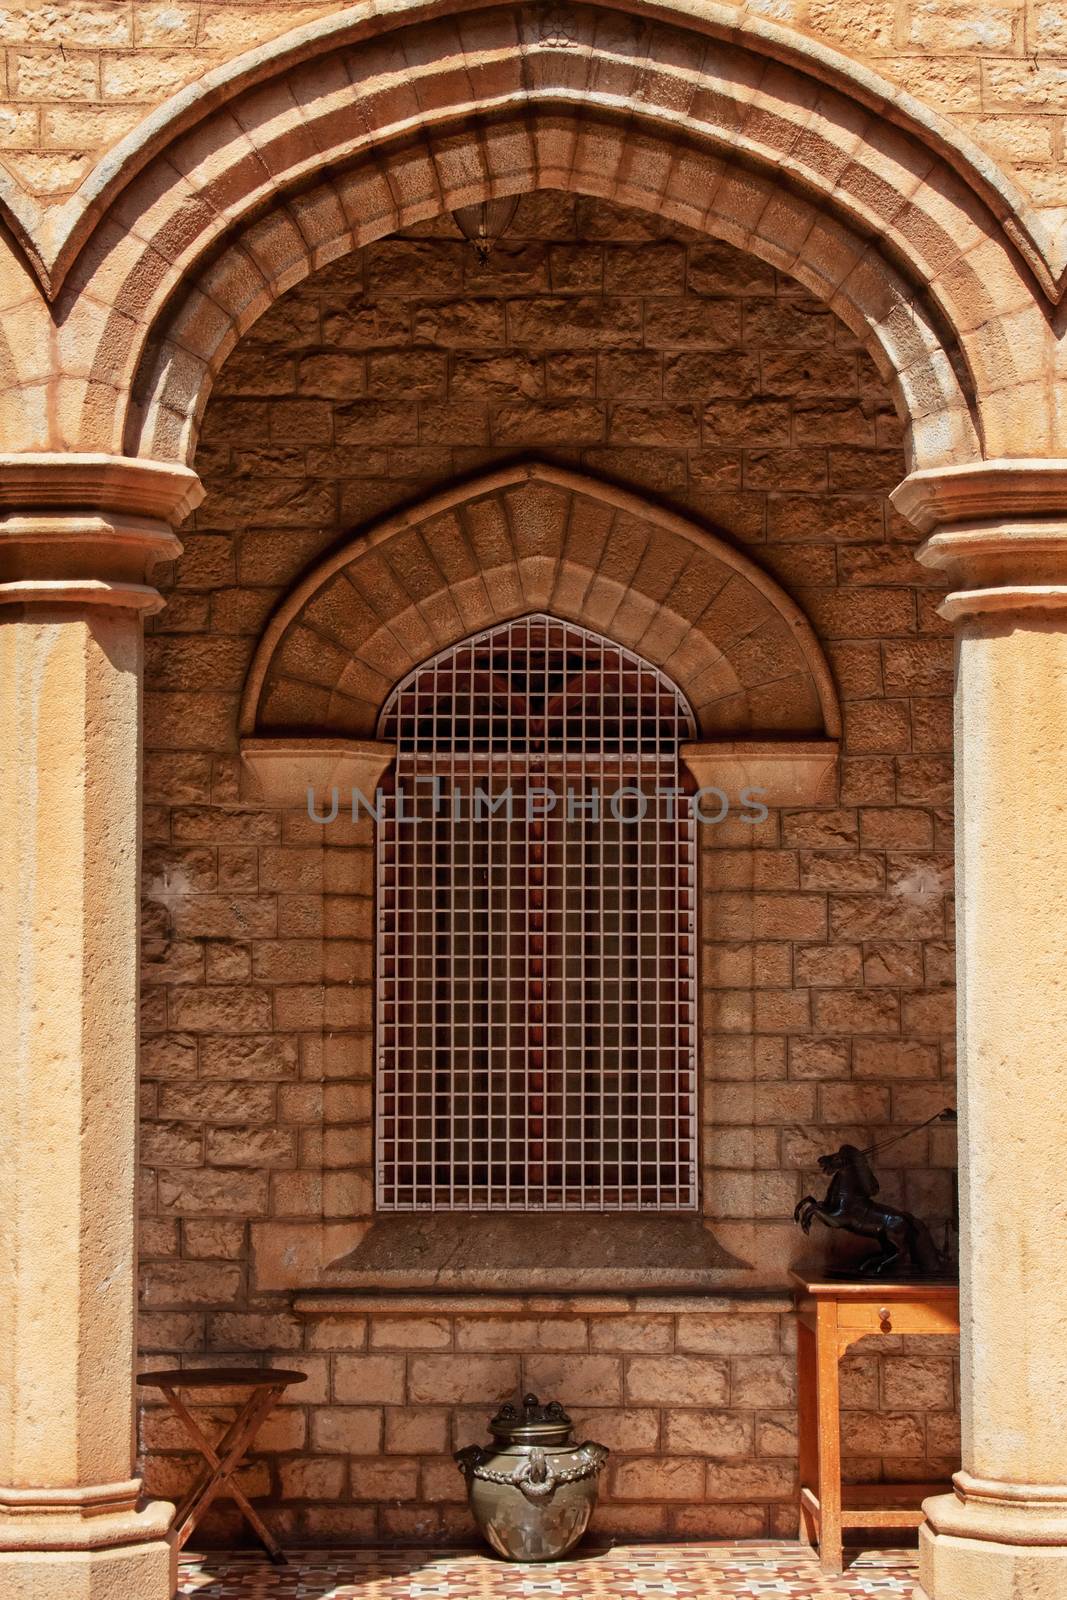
[850, 1204]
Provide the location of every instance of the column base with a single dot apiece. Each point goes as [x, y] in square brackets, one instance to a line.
[125, 1556]
[994, 1541]
[138, 1572]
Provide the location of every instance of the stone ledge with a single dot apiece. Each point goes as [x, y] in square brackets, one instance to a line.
[536, 1252]
[528, 1254]
[532, 1254]
[448, 1303]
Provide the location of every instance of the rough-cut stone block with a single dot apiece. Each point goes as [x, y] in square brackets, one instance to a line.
[721, 1434]
[677, 1380]
[410, 1333]
[416, 1430]
[658, 1478]
[368, 1379]
[462, 1378]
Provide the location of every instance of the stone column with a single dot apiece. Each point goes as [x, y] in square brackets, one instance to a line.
[78, 536]
[999, 531]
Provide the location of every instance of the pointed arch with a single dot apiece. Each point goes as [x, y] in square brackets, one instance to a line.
[534, 537]
[52, 240]
[596, 705]
[339, 132]
[422, 112]
[638, 163]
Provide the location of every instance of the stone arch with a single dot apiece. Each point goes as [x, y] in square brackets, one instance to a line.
[534, 537]
[53, 248]
[432, 112]
[754, 214]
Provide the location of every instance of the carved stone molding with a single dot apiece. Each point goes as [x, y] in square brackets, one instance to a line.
[1003, 1512]
[87, 530]
[793, 773]
[998, 529]
[279, 772]
[982, 489]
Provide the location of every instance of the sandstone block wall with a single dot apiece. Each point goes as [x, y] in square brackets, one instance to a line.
[694, 1397]
[679, 369]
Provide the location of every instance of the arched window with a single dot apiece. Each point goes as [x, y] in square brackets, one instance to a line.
[536, 932]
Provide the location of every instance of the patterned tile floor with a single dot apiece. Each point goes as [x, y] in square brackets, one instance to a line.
[758, 1571]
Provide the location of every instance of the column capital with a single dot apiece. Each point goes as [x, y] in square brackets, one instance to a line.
[81, 529]
[997, 528]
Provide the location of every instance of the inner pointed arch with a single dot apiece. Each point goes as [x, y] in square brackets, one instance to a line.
[531, 537]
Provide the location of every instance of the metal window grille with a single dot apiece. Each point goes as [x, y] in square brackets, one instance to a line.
[536, 985]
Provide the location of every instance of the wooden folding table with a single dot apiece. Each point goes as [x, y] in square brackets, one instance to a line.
[264, 1385]
[831, 1316]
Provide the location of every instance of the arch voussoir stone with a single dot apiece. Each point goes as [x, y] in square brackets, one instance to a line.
[528, 538]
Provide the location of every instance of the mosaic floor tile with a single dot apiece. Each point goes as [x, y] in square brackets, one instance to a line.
[758, 1571]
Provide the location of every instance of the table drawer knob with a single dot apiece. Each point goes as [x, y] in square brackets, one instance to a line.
[885, 1319]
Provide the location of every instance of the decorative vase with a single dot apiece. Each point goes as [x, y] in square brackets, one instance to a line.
[533, 1490]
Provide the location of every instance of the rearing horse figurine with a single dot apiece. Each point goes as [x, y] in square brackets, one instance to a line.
[850, 1204]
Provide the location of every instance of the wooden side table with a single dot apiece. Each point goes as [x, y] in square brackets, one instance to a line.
[263, 1386]
[831, 1317]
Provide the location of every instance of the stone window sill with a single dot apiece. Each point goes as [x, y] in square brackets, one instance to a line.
[538, 1253]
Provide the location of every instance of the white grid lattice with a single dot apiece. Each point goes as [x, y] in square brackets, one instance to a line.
[536, 988]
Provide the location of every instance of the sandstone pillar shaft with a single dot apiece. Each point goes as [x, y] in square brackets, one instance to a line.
[76, 538]
[1000, 532]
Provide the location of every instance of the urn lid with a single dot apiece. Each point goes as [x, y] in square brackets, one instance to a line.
[532, 1422]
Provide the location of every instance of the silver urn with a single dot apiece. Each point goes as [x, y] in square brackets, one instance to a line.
[532, 1491]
